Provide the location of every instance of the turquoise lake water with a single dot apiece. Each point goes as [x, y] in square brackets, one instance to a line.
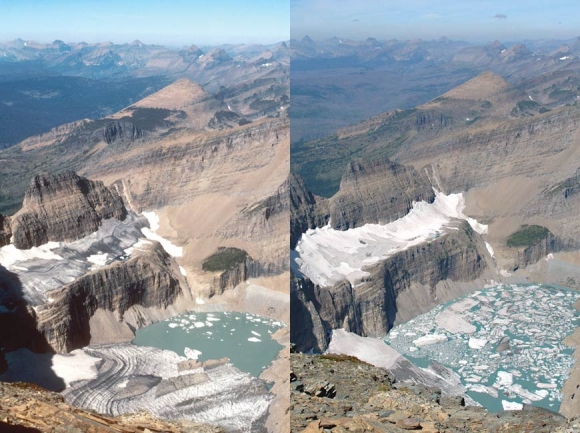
[464, 335]
[242, 337]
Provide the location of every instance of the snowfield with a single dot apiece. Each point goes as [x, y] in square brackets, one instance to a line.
[327, 256]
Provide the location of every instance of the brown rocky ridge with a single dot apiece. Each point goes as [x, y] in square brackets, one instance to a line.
[338, 393]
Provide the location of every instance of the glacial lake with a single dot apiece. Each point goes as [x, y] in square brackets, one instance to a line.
[242, 337]
[504, 342]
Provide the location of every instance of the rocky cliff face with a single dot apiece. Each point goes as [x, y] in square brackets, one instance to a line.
[5, 230]
[63, 207]
[148, 278]
[371, 307]
[377, 192]
[340, 393]
[119, 130]
[306, 210]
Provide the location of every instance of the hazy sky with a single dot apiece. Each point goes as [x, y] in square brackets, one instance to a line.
[471, 20]
[170, 22]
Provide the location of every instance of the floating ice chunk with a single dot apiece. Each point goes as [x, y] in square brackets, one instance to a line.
[199, 324]
[511, 405]
[453, 322]
[256, 334]
[191, 353]
[213, 319]
[483, 389]
[173, 325]
[477, 343]
[524, 393]
[547, 385]
[429, 339]
[254, 340]
[504, 379]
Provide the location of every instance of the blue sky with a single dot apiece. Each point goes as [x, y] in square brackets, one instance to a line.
[471, 20]
[170, 22]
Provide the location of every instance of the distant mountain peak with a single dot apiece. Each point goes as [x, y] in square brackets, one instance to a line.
[175, 96]
[137, 43]
[307, 40]
[480, 87]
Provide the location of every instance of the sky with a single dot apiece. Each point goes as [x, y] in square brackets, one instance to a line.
[170, 22]
[469, 20]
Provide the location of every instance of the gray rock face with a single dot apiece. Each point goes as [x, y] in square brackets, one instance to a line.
[370, 308]
[5, 230]
[306, 210]
[377, 192]
[147, 278]
[119, 130]
[63, 207]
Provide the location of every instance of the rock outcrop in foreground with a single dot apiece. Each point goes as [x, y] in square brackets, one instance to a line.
[63, 207]
[28, 408]
[337, 393]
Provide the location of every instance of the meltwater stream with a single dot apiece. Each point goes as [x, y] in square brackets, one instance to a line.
[504, 342]
[242, 337]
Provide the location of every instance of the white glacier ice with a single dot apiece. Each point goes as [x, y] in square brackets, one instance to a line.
[327, 256]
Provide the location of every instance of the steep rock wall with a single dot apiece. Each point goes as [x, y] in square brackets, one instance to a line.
[149, 278]
[63, 207]
[370, 308]
[5, 230]
[377, 192]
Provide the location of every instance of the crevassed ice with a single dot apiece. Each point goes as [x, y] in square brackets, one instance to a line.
[327, 256]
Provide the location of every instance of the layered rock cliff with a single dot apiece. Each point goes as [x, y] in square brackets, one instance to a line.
[307, 211]
[119, 130]
[372, 306]
[63, 207]
[148, 278]
[377, 192]
[5, 230]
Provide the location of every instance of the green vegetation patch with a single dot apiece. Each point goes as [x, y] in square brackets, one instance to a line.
[149, 119]
[523, 105]
[527, 235]
[561, 94]
[224, 259]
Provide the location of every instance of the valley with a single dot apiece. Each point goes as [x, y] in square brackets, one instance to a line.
[399, 217]
[108, 225]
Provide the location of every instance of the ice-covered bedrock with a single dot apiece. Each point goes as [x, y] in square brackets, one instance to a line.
[10, 255]
[55, 264]
[150, 233]
[327, 256]
[132, 379]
